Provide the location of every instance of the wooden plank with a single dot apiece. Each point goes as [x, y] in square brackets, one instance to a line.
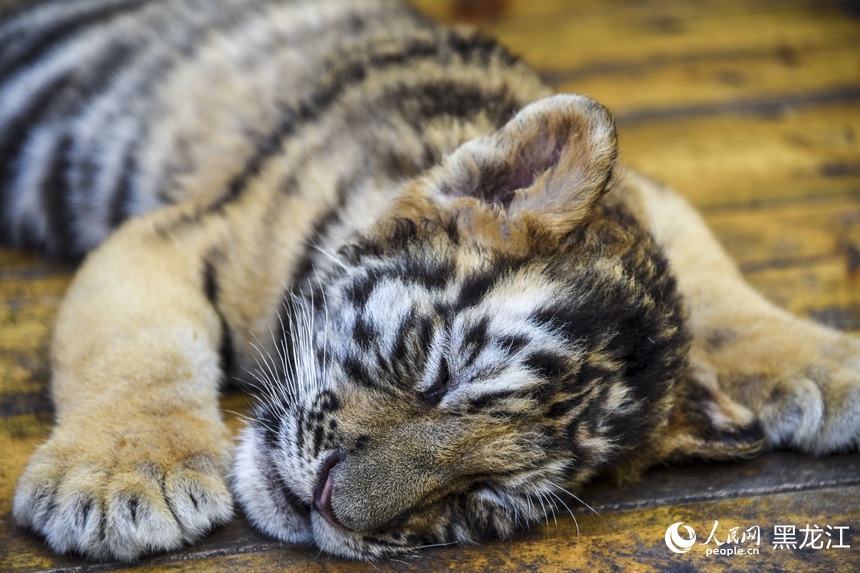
[803, 255]
[719, 160]
[625, 541]
[26, 316]
[16, 263]
[19, 436]
[789, 233]
[744, 53]
[700, 481]
[31, 289]
[518, 11]
[569, 38]
[774, 76]
[821, 291]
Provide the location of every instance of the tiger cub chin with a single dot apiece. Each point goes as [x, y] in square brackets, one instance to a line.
[453, 304]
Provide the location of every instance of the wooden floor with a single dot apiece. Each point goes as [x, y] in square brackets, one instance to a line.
[751, 108]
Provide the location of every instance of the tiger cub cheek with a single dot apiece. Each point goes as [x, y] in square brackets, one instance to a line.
[274, 510]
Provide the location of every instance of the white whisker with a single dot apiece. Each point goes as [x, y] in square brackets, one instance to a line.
[568, 492]
[328, 255]
[561, 501]
[446, 544]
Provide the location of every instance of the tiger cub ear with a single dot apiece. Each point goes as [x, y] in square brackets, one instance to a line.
[553, 159]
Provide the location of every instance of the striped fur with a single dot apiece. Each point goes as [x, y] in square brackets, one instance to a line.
[452, 305]
[117, 108]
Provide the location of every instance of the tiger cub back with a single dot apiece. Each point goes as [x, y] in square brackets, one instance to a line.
[111, 108]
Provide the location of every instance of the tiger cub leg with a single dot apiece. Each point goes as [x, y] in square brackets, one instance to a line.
[801, 379]
[137, 460]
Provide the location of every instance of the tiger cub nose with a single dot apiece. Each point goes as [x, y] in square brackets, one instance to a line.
[323, 491]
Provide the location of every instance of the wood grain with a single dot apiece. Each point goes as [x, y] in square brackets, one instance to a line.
[751, 109]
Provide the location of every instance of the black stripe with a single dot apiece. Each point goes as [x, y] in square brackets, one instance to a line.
[402, 342]
[448, 99]
[590, 374]
[226, 351]
[287, 501]
[477, 285]
[513, 343]
[546, 364]
[271, 423]
[27, 234]
[358, 374]
[13, 136]
[488, 400]
[121, 194]
[563, 407]
[360, 443]
[58, 97]
[412, 341]
[180, 53]
[210, 283]
[212, 289]
[304, 265]
[385, 370]
[318, 439]
[417, 104]
[54, 194]
[483, 46]
[364, 334]
[54, 97]
[33, 45]
[575, 321]
[361, 287]
[445, 98]
[350, 75]
[300, 435]
[432, 275]
[451, 529]
[124, 189]
[475, 340]
[68, 101]
[98, 76]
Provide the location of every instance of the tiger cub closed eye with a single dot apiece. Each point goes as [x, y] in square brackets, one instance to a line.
[453, 303]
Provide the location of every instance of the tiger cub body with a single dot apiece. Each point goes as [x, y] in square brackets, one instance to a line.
[452, 302]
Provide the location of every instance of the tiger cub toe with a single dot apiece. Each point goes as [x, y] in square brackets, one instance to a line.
[120, 496]
[806, 389]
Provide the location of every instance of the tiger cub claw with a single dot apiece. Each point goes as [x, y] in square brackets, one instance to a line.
[814, 407]
[118, 502]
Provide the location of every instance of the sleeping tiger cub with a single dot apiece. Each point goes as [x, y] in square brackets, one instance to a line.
[452, 302]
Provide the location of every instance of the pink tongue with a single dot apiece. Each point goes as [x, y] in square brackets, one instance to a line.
[325, 496]
[324, 504]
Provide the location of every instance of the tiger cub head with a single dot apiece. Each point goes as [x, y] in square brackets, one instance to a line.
[508, 331]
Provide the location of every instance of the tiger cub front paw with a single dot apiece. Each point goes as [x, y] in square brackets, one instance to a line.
[813, 404]
[122, 494]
